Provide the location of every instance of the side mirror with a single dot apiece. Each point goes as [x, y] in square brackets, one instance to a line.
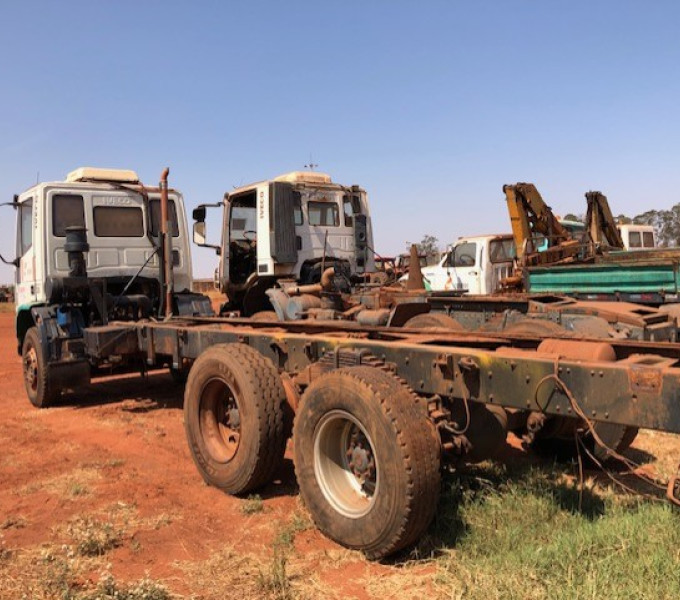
[199, 230]
[199, 226]
[199, 215]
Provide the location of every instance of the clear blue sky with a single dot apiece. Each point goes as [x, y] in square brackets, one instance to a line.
[430, 106]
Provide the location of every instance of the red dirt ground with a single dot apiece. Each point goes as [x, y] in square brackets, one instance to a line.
[124, 438]
[121, 444]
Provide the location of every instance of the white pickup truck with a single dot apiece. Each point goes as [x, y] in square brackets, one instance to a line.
[473, 265]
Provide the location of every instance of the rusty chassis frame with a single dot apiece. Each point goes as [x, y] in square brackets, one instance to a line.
[641, 388]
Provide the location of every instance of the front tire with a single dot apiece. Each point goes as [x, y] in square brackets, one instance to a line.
[40, 390]
[367, 460]
[234, 408]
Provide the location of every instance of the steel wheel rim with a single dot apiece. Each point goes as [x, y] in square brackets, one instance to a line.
[220, 420]
[345, 464]
[31, 369]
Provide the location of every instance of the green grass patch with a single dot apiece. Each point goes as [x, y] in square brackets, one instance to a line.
[522, 535]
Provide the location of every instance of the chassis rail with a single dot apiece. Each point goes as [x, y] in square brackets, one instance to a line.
[641, 388]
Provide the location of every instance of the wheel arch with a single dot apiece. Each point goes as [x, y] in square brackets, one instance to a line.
[24, 321]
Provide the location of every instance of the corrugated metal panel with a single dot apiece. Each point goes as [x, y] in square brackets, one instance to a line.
[604, 279]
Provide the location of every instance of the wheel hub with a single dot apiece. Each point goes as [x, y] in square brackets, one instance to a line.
[31, 368]
[345, 464]
[360, 459]
[220, 420]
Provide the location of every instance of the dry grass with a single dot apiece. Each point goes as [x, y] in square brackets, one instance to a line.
[277, 574]
[252, 505]
[68, 485]
[51, 572]
[62, 570]
[94, 537]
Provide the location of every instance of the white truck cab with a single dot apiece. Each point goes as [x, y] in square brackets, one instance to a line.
[637, 237]
[288, 227]
[121, 217]
[473, 265]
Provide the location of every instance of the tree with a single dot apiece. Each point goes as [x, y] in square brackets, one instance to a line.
[572, 217]
[428, 245]
[666, 224]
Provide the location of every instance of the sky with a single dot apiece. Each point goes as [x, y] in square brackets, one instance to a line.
[429, 106]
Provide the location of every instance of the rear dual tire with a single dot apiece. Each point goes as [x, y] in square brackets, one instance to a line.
[367, 460]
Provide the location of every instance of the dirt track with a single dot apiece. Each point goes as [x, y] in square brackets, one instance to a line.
[118, 449]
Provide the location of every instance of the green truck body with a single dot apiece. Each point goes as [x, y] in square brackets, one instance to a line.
[651, 276]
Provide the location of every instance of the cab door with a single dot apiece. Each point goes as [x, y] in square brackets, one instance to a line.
[465, 267]
[26, 276]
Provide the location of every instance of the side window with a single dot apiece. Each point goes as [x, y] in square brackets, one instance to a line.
[67, 210]
[501, 251]
[155, 217]
[325, 214]
[26, 224]
[463, 255]
[118, 221]
[634, 240]
[297, 210]
[348, 210]
[648, 239]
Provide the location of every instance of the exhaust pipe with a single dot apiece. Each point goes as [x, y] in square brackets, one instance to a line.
[166, 244]
[415, 275]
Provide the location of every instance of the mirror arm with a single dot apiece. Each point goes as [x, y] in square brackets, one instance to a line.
[14, 263]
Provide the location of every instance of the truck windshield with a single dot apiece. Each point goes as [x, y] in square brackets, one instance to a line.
[118, 221]
[325, 214]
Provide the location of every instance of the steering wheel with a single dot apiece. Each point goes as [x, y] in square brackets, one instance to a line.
[466, 260]
[248, 232]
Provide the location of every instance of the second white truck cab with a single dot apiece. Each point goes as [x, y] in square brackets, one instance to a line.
[637, 237]
[473, 265]
[291, 227]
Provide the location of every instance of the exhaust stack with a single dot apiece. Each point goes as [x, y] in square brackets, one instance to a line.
[166, 245]
[415, 275]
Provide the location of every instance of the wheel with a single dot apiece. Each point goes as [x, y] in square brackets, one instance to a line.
[558, 441]
[537, 327]
[41, 391]
[367, 460]
[234, 417]
[430, 320]
[265, 315]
